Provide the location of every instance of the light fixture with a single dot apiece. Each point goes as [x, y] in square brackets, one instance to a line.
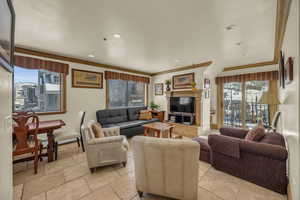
[117, 35]
[239, 43]
[177, 60]
[91, 56]
[230, 27]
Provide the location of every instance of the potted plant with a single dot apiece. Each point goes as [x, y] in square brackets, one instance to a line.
[154, 106]
[168, 83]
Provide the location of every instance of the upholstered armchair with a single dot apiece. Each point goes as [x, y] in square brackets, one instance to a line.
[111, 149]
[166, 167]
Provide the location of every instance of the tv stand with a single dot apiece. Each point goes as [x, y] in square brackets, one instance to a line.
[187, 93]
[182, 118]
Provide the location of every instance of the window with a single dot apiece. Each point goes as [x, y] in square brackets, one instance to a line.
[38, 90]
[126, 93]
[241, 103]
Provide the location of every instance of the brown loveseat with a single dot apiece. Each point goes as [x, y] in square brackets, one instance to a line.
[262, 163]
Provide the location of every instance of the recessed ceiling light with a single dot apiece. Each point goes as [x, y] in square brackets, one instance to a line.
[91, 56]
[239, 43]
[177, 60]
[117, 35]
[230, 27]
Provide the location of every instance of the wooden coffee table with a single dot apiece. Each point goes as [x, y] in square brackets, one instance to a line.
[158, 128]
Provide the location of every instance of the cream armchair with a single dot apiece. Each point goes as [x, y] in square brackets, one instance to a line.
[109, 150]
[166, 167]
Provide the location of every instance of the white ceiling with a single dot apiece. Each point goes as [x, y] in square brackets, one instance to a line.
[154, 33]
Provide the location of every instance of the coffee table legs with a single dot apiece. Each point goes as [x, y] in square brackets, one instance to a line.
[50, 146]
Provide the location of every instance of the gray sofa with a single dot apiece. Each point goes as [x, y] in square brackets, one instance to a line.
[126, 118]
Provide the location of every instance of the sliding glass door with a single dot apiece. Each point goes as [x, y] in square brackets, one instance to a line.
[241, 103]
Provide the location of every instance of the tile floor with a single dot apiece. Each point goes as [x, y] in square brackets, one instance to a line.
[70, 179]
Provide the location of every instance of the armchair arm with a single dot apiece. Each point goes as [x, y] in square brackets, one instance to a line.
[112, 131]
[234, 132]
[111, 139]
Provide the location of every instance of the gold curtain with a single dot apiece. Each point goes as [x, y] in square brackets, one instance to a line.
[273, 89]
[126, 77]
[220, 108]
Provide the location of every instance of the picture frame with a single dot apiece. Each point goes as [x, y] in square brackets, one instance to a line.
[281, 74]
[87, 79]
[206, 84]
[288, 71]
[183, 81]
[158, 89]
[7, 34]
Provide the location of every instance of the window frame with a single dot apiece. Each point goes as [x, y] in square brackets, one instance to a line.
[63, 97]
[146, 95]
[243, 109]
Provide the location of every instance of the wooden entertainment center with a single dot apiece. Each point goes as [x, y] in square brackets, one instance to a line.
[181, 128]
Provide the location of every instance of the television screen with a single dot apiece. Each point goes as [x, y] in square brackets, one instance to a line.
[182, 104]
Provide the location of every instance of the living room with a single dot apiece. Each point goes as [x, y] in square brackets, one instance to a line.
[210, 97]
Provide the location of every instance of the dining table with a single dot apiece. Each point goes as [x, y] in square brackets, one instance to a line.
[48, 127]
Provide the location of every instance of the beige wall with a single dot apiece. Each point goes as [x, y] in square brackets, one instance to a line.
[5, 135]
[290, 99]
[199, 78]
[78, 99]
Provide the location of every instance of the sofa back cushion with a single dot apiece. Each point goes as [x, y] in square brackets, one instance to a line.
[274, 138]
[112, 116]
[133, 113]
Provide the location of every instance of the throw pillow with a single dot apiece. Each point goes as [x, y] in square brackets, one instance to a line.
[98, 131]
[255, 134]
[145, 115]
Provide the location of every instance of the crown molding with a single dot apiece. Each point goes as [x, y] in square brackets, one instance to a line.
[260, 64]
[204, 64]
[29, 51]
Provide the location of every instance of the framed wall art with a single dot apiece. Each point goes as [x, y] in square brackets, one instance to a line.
[87, 79]
[183, 81]
[7, 32]
[159, 89]
[288, 71]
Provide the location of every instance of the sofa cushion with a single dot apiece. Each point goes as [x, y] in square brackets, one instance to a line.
[97, 130]
[203, 141]
[111, 116]
[129, 124]
[133, 113]
[145, 115]
[255, 134]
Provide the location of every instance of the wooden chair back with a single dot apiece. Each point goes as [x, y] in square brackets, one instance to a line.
[22, 133]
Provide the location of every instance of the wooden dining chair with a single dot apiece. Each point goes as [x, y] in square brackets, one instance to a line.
[26, 142]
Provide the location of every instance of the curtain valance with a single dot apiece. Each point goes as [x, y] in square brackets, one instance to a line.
[35, 63]
[126, 77]
[260, 76]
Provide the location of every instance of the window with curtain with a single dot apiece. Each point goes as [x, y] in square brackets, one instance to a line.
[123, 93]
[37, 90]
[241, 103]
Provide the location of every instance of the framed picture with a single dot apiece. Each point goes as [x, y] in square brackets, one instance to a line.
[281, 70]
[159, 89]
[206, 84]
[87, 79]
[7, 32]
[183, 81]
[288, 71]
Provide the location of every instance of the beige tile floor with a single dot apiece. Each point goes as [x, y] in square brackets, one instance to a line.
[70, 179]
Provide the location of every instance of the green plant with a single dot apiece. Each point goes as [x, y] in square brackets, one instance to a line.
[154, 106]
[168, 82]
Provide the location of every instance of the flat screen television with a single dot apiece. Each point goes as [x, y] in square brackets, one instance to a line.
[182, 104]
